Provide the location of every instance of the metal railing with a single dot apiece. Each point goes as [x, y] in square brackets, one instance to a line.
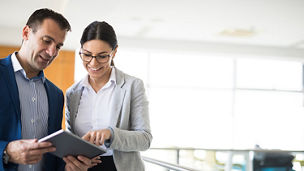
[167, 165]
[248, 153]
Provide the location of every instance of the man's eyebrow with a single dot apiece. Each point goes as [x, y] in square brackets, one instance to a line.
[49, 37]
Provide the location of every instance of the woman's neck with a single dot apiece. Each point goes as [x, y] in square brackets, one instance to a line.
[98, 83]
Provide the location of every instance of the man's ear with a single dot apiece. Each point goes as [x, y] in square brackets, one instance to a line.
[25, 32]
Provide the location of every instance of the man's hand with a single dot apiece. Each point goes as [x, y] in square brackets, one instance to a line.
[28, 151]
[98, 136]
[80, 163]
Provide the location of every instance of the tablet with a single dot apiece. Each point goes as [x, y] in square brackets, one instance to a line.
[67, 143]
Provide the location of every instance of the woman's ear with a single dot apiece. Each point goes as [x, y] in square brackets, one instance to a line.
[115, 50]
[113, 55]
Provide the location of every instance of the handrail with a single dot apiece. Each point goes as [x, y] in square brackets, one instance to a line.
[228, 165]
[237, 150]
[167, 165]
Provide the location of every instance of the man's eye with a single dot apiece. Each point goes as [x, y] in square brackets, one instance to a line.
[47, 41]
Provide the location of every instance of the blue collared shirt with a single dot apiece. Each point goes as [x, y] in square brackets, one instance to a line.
[34, 107]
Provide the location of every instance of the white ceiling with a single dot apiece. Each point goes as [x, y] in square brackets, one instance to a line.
[245, 23]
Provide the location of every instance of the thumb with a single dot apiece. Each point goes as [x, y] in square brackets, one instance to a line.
[86, 137]
[30, 141]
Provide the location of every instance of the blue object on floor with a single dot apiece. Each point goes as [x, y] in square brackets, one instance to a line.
[276, 169]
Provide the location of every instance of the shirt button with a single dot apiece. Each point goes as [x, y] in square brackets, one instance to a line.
[30, 166]
[32, 120]
[33, 99]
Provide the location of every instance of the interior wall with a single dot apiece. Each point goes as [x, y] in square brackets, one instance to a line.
[60, 72]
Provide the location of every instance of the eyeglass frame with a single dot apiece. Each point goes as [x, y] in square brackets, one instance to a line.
[95, 56]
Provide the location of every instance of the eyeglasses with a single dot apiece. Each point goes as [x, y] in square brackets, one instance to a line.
[86, 57]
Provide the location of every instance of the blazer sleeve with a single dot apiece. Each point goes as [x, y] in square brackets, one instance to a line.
[3, 145]
[138, 137]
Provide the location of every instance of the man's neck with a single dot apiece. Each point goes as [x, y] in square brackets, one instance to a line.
[22, 60]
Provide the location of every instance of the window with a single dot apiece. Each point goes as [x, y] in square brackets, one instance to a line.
[211, 101]
[269, 104]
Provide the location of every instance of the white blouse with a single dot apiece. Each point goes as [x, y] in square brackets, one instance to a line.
[93, 111]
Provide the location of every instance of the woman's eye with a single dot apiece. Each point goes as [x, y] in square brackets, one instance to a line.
[103, 56]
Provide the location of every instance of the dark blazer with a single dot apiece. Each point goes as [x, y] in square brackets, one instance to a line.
[10, 114]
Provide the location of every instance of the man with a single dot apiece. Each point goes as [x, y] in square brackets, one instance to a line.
[30, 105]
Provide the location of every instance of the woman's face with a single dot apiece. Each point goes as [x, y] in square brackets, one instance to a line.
[98, 70]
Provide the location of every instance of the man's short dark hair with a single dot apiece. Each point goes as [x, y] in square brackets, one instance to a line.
[40, 15]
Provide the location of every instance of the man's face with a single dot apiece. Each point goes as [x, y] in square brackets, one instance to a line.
[43, 45]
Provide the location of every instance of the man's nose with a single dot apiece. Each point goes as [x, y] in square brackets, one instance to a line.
[52, 50]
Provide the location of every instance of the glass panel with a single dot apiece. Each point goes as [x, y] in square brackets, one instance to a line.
[269, 74]
[191, 107]
[133, 62]
[191, 118]
[80, 71]
[185, 70]
[270, 119]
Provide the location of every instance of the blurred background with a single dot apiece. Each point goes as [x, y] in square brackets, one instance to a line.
[222, 76]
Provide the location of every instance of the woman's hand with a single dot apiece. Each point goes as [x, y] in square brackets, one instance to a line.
[97, 137]
[80, 163]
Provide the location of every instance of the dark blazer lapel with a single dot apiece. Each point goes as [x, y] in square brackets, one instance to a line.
[51, 102]
[9, 75]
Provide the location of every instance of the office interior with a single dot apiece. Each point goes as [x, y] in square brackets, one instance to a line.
[224, 79]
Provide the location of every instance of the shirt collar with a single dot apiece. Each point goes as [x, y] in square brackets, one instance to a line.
[113, 75]
[16, 63]
[17, 67]
[112, 79]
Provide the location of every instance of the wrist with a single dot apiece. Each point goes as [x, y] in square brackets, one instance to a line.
[5, 157]
[109, 141]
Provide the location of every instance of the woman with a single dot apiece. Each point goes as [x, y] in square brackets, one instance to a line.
[108, 107]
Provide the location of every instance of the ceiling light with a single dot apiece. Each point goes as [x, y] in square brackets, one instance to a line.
[238, 32]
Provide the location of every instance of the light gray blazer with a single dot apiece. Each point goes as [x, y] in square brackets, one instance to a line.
[130, 120]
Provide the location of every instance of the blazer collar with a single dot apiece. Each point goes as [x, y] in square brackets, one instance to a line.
[9, 76]
[118, 98]
[120, 78]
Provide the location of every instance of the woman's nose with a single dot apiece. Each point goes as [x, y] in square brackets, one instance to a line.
[94, 62]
